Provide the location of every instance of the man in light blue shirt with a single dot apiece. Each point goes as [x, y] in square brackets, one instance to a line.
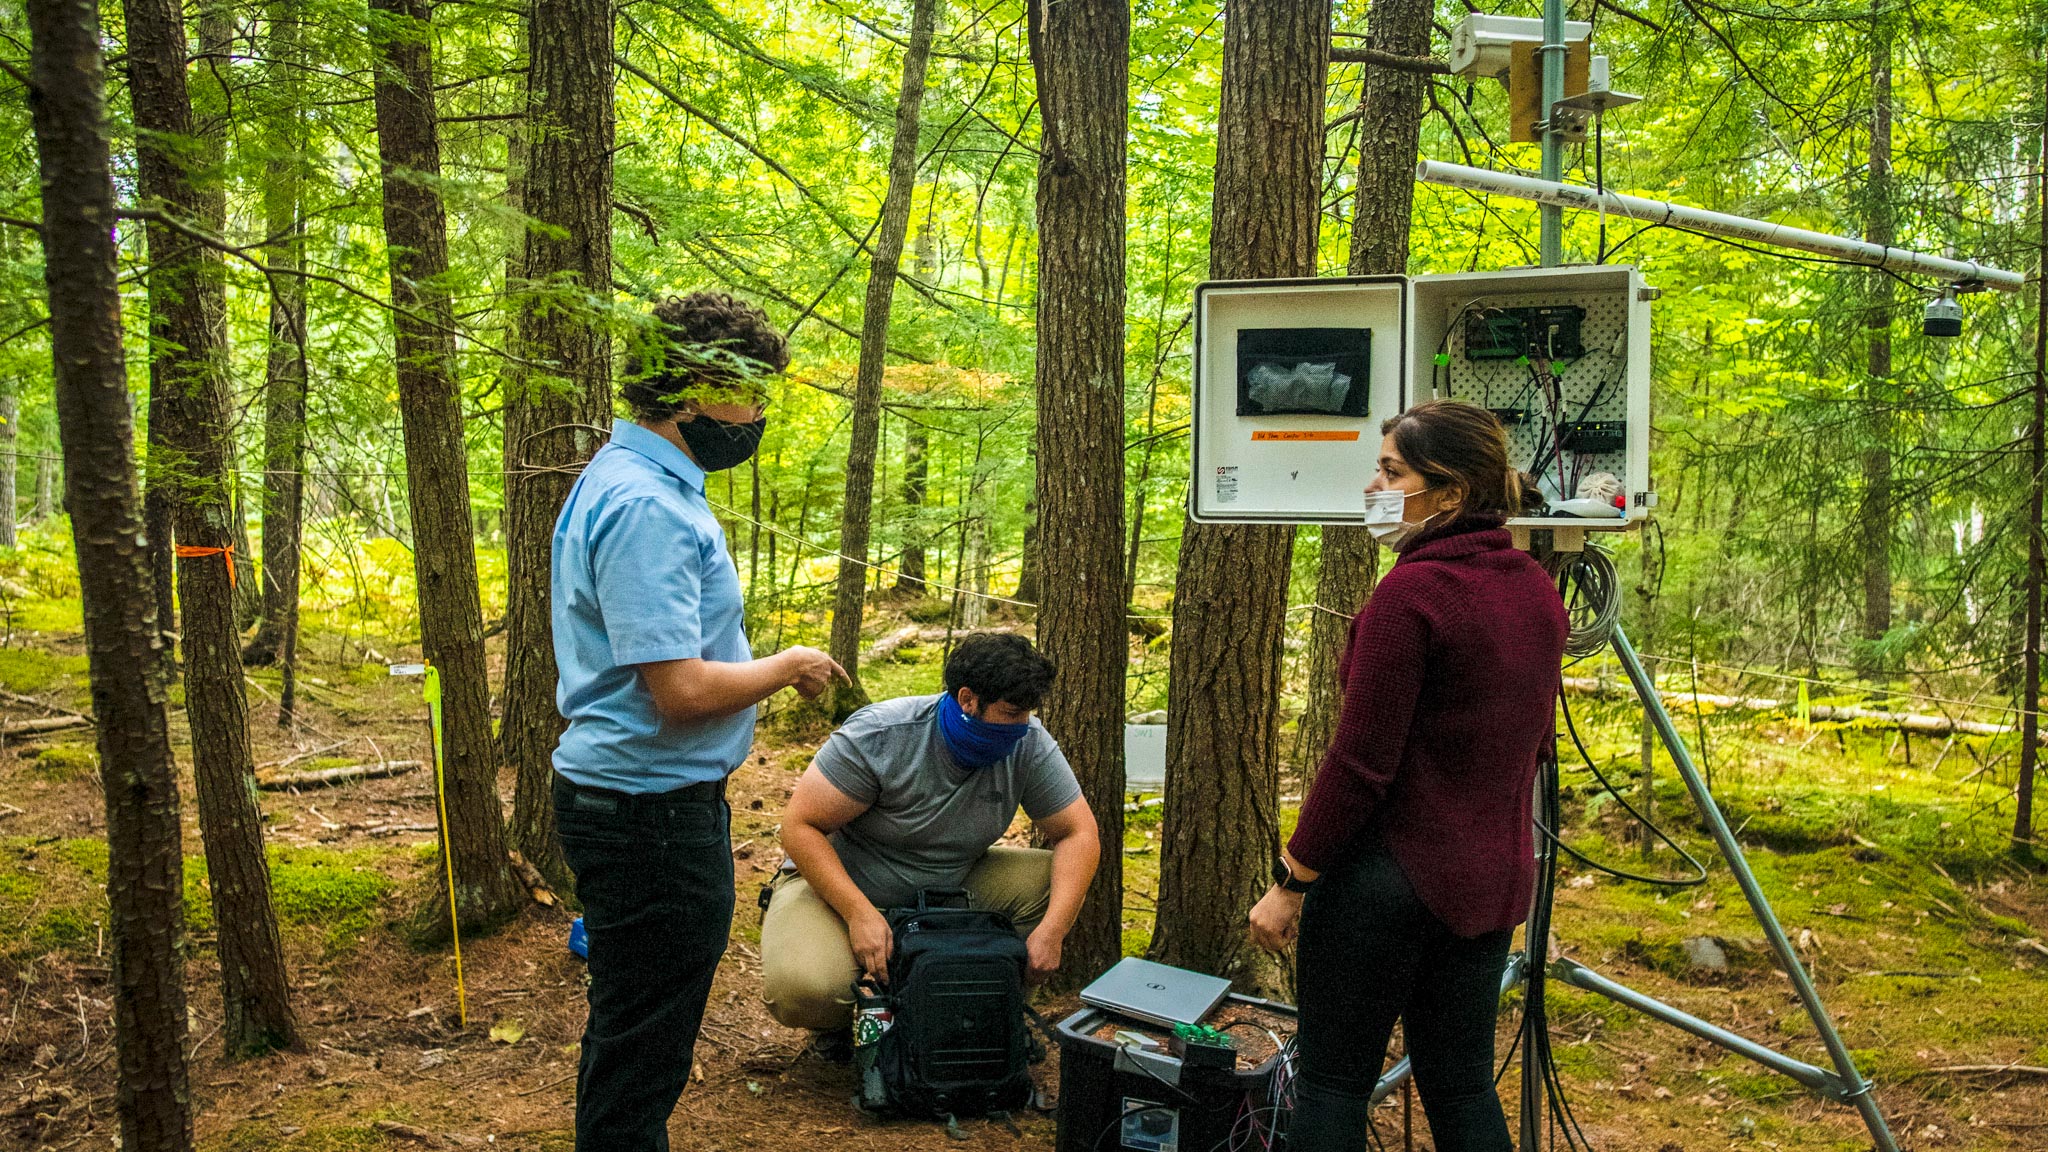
[659, 687]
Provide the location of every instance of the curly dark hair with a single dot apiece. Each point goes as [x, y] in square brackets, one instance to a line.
[999, 666]
[705, 340]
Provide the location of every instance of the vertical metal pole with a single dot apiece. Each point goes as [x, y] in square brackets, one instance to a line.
[1551, 243]
[1550, 252]
[1857, 1090]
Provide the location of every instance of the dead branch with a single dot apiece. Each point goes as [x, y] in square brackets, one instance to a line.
[328, 777]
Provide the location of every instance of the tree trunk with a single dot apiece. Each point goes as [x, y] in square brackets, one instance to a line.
[566, 189]
[2037, 563]
[46, 475]
[1874, 513]
[185, 303]
[858, 509]
[145, 862]
[1390, 132]
[1222, 823]
[974, 611]
[1027, 563]
[213, 104]
[284, 377]
[910, 573]
[10, 440]
[1078, 52]
[159, 487]
[437, 471]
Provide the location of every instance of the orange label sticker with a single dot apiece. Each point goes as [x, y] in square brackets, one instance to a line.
[1345, 437]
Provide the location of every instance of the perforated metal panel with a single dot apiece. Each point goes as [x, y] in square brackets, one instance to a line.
[1592, 388]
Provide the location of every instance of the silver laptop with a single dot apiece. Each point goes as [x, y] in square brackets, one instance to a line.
[1155, 992]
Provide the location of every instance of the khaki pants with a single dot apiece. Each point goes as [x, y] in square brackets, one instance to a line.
[807, 965]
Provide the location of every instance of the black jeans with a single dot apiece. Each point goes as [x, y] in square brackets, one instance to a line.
[654, 874]
[1370, 953]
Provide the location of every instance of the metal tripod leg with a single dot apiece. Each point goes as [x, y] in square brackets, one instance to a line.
[1848, 1084]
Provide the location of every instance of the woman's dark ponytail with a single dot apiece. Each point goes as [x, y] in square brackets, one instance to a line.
[1457, 442]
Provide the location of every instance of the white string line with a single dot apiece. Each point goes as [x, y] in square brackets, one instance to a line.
[822, 550]
[1848, 689]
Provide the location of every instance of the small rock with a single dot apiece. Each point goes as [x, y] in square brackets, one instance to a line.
[1705, 952]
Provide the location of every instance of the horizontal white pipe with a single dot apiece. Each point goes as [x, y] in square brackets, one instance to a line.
[1648, 211]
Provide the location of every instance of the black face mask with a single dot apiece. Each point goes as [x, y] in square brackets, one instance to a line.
[720, 444]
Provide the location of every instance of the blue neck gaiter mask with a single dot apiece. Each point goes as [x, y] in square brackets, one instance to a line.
[976, 743]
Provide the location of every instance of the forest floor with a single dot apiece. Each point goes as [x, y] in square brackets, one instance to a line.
[1925, 943]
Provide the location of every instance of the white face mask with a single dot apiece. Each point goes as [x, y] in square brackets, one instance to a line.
[1384, 517]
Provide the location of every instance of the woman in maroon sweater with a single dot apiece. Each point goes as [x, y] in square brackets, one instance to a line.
[1414, 847]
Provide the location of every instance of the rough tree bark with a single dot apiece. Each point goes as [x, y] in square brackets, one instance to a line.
[1078, 54]
[1222, 823]
[857, 512]
[10, 414]
[1874, 514]
[125, 660]
[2037, 557]
[567, 190]
[437, 471]
[284, 379]
[213, 105]
[1027, 563]
[910, 573]
[1389, 135]
[198, 418]
[46, 477]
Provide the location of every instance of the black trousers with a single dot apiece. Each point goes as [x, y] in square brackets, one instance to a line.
[654, 874]
[1371, 953]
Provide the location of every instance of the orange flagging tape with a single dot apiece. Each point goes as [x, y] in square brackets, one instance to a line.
[227, 555]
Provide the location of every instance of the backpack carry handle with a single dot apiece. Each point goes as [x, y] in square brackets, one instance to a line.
[928, 898]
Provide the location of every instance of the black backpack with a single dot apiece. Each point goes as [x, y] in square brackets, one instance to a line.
[958, 1044]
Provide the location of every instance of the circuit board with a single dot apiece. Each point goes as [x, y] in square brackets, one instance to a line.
[1564, 426]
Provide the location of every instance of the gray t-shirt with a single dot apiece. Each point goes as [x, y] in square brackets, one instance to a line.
[929, 820]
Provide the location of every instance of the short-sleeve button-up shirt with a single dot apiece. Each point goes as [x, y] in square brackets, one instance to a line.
[641, 574]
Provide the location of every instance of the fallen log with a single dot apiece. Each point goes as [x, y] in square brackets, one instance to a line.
[1825, 713]
[46, 724]
[328, 777]
[913, 634]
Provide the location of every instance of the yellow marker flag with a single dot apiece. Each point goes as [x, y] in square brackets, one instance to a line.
[432, 694]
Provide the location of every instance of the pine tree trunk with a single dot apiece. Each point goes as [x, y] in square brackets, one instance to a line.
[1079, 51]
[2037, 557]
[910, 573]
[1222, 821]
[125, 660]
[10, 415]
[159, 489]
[185, 304]
[1390, 131]
[857, 511]
[46, 476]
[1027, 563]
[437, 470]
[567, 185]
[284, 377]
[212, 107]
[1874, 513]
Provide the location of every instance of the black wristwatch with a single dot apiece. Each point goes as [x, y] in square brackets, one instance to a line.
[1284, 876]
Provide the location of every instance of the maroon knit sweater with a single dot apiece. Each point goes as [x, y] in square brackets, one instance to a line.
[1450, 689]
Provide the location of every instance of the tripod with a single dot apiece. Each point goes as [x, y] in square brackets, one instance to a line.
[1843, 1083]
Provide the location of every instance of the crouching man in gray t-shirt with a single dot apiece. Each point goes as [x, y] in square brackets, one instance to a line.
[913, 793]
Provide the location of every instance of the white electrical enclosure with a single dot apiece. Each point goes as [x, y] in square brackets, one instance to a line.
[1561, 355]
[1292, 379]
